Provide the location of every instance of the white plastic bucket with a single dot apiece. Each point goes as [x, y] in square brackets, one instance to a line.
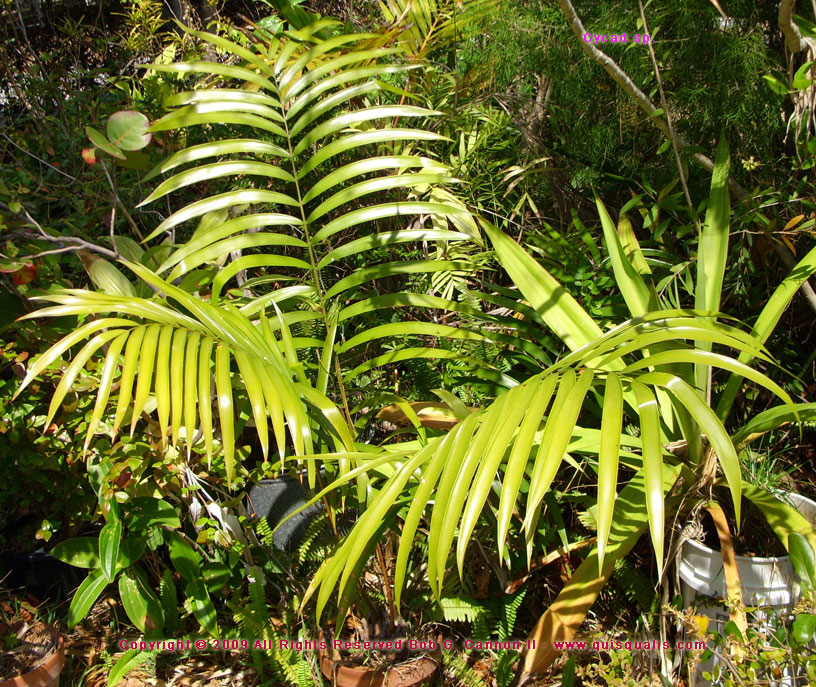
[769, 582]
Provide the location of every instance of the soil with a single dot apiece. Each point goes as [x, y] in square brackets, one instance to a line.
[756, 538]
[23, 646]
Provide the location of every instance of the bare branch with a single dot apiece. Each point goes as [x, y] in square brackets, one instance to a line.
[788, 27]
[78, 243]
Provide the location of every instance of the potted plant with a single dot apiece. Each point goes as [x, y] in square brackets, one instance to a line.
[286, 354]
[654, 370]
[32, 652]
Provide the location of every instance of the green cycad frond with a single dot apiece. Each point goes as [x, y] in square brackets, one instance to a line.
[177, 357]
[529, 431]
[315, 124]
[327, 146]
[424, 25]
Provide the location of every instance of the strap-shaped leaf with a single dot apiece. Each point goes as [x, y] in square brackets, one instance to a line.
[191, 363]
[629, 281]
[177, 386]
[204, 395]
[556, 307]
[219, 249]
[382, 211]
[143, 384]
[162, 387]
[611, 424]
[364, 188]
[339, 79]
[652, 466]
[390, 269]
[218, 113]
[256, 398]
[366, 166]
[221, 201]
[214, 68]
[105, 382]
[356, 140]
[217, 170]
[223, 389]
[343, 121]
[132, 350]
[110, 538]
[229, 228]
[203, 151]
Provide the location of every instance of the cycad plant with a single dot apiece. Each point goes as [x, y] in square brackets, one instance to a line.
[317, 125]
[653, 371]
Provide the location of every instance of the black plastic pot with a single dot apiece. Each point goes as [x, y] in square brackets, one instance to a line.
[39, 573]
[273, 500]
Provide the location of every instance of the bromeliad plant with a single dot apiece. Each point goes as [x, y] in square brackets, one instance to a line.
[654, 371]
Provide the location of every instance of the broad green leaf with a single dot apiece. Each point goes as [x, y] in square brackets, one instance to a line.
[141, 604]
[81, 552]
[216, 575]
[85, 597]
[128, 130]
[144, 512]
[99, 140]
[804, 627]
[203, 608]
[184, 557]
[110, 538]
[803, 560]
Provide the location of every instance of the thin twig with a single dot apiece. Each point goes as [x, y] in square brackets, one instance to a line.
[122, 207]
[45, 236]
[38, 159]
[669, 124]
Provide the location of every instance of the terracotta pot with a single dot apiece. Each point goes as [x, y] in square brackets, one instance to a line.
[416, 671]
[46, 674]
